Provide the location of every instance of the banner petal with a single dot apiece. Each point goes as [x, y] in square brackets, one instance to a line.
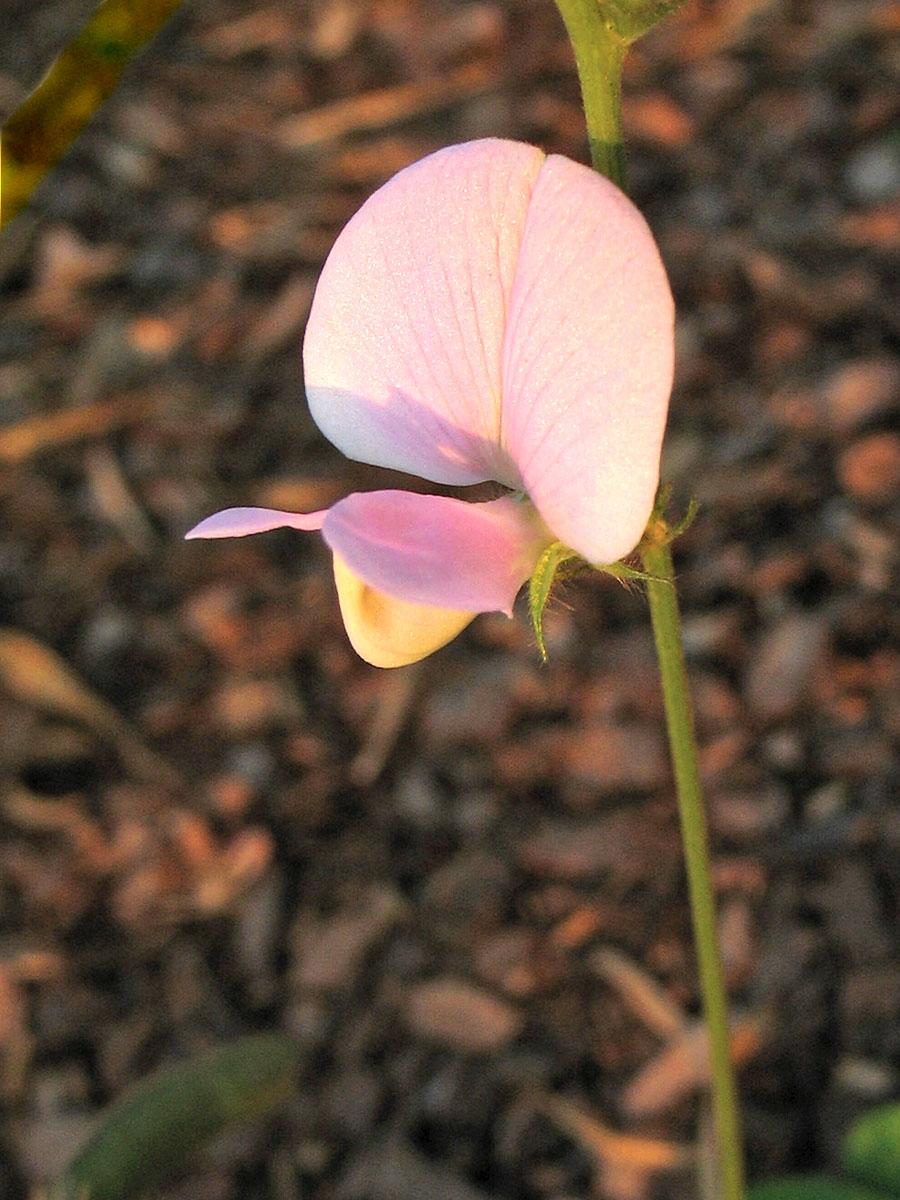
[588, 361]
[403, 345]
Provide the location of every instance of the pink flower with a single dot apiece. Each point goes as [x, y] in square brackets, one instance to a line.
[490, 313]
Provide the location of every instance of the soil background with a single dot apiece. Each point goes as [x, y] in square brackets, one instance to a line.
[458, 885]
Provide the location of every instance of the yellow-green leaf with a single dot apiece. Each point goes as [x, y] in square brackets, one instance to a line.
[78, 82]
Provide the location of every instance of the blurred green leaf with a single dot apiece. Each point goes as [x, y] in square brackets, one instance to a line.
[81, 78]
[812, 1187]
[154, 1130]
[871, 1150]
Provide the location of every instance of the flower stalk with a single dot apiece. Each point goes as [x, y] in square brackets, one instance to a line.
[599, 55]
[600, 32]
[657, 561]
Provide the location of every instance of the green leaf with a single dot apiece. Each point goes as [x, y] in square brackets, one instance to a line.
[539, 587]
[156, 1128]
[78, 82]
[812, 1187]
[871, 1150]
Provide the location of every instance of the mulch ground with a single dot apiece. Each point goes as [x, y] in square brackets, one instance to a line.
[460, 885]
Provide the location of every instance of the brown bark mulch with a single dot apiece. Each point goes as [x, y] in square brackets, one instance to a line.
[459, 886]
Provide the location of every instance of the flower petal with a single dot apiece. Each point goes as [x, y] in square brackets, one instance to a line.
[588, 361]
[238, 522]
[388, 632]
[403, 345]
[436, 550]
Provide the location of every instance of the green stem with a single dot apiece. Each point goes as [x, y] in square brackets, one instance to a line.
[599, 55]
[657, 561]
[600, 32]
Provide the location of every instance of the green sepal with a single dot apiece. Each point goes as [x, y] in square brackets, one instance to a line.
[687, 520]
[620, 570]
[539, 588]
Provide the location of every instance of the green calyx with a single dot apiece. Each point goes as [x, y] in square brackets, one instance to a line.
[658, 533]
[539, 587]
[556, 556]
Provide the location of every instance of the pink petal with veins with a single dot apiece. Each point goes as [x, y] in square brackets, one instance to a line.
[238, 522]
[402, 354]
[436, 550]
[588, 361]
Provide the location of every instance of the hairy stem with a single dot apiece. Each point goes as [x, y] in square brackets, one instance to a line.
[657, 561]
[599, 54]
[600, 32]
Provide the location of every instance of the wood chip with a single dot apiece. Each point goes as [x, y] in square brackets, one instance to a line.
[66, 263]
[463, 1016]
[232, 873]
[261, 30]
[577, 928]
[394, 700]
[16, 1043]
[657, 119]
[331, 952]
[37, 675]
[282, 320]
[385, 106]
[650, 1154]
[879, 228]
[36, 434]
[869, 468]
[114, 499]
[681, 1067]
[643, 995]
